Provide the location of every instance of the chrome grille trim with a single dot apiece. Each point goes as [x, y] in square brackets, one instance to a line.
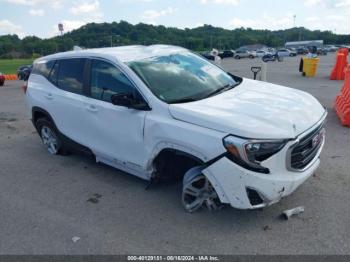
[304, 155]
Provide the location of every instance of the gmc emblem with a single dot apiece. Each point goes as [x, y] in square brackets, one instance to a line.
[317, 139]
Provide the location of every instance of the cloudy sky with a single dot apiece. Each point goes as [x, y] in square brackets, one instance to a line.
[40, 17]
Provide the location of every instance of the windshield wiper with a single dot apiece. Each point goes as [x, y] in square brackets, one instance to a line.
[184, 100]
[219, 90]
[193, 99]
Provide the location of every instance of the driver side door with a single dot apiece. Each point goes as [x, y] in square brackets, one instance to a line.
[116, 132]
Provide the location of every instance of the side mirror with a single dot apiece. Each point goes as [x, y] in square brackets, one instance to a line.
[129, 101]
[122, 99]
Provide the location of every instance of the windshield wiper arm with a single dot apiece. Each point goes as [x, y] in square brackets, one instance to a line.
[193, 99]
[184, 100]
[220, 90]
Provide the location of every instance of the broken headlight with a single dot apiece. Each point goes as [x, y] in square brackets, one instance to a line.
[250, 153]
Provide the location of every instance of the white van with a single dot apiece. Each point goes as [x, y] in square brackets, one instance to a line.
[161, 112]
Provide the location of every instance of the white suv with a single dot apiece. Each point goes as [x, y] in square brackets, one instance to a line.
[162, 112]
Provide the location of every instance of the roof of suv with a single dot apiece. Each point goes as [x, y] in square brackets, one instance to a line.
[122, 53]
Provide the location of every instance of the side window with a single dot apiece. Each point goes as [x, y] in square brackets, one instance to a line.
[71, 75]
[107, 80]
[43, 68]
[54, 74]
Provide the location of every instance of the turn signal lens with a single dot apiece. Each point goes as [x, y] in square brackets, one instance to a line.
[233, 150]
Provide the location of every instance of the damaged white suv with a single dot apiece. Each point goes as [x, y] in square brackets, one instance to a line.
[162, 112]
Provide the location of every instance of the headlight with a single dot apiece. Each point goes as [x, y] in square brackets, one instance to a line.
[250, 153]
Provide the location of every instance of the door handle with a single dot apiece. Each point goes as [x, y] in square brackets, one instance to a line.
[91, 108]
[49, 96]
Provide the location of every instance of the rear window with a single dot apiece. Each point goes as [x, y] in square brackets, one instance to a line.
[43, 68]
[71, 75]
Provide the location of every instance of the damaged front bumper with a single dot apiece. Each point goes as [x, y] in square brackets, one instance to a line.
[244, 189]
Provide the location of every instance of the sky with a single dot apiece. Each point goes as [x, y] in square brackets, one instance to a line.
[41, 17]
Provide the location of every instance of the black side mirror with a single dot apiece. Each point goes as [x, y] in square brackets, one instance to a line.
[128, 100]
[122, 99]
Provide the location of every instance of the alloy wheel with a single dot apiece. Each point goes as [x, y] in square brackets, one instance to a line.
[50, 140]
[199, 192]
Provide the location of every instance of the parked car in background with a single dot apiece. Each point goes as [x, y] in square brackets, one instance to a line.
[2, 79]
[244, 54]
[226, 54]
[23, 72]
[321, 51]
[292, 52]
[208, 55]
[330, 48]
[302, 51]
[283, 52]
[148, 110]
[260, 53]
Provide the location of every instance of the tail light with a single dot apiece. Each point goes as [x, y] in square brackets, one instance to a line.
[25, 87]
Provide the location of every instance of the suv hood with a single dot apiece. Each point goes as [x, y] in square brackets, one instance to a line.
[254, 109]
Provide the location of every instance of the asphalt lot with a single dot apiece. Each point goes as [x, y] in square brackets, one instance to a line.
[47, 200]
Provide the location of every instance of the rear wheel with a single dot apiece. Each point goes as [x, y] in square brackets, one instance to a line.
[50, 137]
[198, 192]
[2, 83]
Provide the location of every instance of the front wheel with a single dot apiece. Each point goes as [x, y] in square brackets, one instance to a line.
[198, 192]
[251, 57]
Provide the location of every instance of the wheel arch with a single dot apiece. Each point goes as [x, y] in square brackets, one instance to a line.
[173, 163]
[38, 112]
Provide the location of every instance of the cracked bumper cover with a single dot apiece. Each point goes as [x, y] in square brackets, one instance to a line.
[232, 181]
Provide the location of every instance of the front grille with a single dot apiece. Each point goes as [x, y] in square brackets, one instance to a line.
[306, 150]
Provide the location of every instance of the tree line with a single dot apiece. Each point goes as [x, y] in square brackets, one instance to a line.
[95, 35]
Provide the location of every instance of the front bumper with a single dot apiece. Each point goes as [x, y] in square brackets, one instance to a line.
[244, 189]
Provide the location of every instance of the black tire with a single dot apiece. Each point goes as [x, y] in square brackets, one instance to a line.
[251, 57]
[42, 123]
[2, 83]
[237, 57]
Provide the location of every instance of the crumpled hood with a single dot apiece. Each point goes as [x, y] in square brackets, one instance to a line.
[254, 109]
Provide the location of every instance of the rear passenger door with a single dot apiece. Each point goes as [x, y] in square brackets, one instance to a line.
[115, 132]
[67, 100]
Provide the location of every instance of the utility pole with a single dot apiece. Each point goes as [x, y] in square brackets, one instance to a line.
[294, 17]
[61, 29]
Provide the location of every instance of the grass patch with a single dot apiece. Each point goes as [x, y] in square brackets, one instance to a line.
[10, 66]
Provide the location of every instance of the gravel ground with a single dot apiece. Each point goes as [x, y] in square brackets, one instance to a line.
[47, 200]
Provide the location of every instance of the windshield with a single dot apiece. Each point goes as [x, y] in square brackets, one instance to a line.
[182, 77]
